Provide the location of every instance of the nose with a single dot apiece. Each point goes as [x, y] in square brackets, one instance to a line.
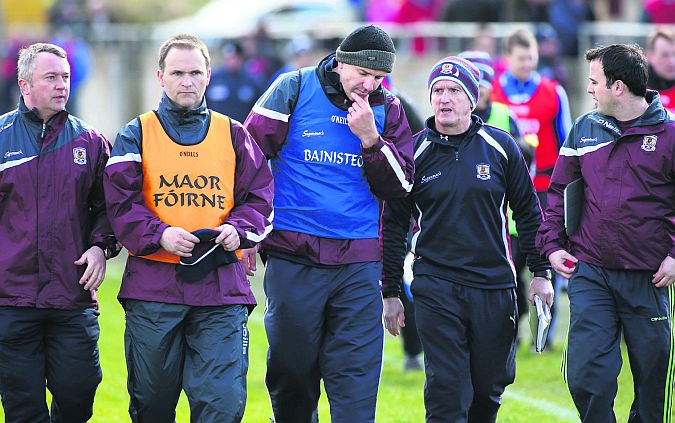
[369, 84]
[589, 88]
[61, 83]
[187, 81]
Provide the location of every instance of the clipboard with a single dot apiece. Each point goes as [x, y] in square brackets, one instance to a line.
[573, 199]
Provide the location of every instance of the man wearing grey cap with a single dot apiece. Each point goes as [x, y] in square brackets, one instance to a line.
[338, 143]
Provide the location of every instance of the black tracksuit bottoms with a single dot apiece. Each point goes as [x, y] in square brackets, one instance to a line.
[56, 347]
[469, 340]
[605, 303]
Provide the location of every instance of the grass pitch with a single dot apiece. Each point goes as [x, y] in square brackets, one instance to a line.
[538, 395]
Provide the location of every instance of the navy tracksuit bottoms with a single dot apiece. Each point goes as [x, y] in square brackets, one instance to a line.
[603, 304]
[202, 350]
[323, 323]
[56, 346]
[469, 340]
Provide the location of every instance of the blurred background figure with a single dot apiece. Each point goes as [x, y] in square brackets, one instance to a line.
[658, 11]
[9, 90]
[298, 54]
[79, 59]
[232, 90]
[405, 12]
[566, 16]
[550, 64]
[530, 10]
[661, 59]
[542, 110]
[499, 115]
[415, 120]
[412, 346]
[472, 11]
[260, 51]
[485, 41]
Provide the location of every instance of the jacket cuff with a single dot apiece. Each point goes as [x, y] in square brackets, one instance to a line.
[391, 290]
[375, 147]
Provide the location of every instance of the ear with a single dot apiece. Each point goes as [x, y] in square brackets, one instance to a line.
[160, 78]
[24, 86]
[619, 87]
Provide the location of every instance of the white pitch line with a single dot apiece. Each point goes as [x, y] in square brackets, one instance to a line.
[544, 406]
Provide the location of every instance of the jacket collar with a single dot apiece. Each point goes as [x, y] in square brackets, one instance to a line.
[434, 136]
[652, 120]
[32, 114]
[179, 116]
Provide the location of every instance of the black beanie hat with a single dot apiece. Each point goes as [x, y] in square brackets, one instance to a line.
[368, 47]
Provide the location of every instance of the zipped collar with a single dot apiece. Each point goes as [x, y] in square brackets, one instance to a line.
[32, 115]
[434, 136]
[651, 120]
[181, 116]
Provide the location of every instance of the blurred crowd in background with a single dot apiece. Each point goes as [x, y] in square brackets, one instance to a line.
[245, 66]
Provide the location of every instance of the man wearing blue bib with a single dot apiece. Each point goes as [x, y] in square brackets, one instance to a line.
[338, 142]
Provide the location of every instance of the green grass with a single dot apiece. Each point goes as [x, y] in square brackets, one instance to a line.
[538, 395]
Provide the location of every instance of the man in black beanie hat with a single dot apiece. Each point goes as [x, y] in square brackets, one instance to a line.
[338, 144]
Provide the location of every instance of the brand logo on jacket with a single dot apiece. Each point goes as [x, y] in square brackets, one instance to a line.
[483, 171]
[6, 126]
[426, 179]
[13, 153]
[585, 140]
[649, 143]
[80, 155]
[342, 120]
[307, 134]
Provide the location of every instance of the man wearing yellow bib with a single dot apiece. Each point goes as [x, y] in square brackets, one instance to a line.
[186, 187]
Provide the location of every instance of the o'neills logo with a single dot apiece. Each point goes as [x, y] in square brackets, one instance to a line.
[342, 120]
[189, 154]
[184, 191]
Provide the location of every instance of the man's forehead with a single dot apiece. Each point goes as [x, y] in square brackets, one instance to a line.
[45, 61]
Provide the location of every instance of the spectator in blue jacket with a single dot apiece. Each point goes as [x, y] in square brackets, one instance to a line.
[621, 260]
[232, 91]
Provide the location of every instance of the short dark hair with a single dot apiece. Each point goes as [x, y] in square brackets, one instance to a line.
[183, 42]
[624, 62]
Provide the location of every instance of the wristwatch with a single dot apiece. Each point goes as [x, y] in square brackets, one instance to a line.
[107, 252]
[543, 274]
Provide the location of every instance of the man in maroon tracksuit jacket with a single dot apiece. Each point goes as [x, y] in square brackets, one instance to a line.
[54, 238]
[621, 260]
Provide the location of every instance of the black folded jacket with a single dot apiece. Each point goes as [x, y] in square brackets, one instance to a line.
[206, 256]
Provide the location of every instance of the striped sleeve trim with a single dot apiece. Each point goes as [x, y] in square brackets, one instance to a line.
[270, 113]
[566, 151]
[129, 157]
[259, 237]
[493, 143]
[13, 163]
[423, 146]
[396, 166]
